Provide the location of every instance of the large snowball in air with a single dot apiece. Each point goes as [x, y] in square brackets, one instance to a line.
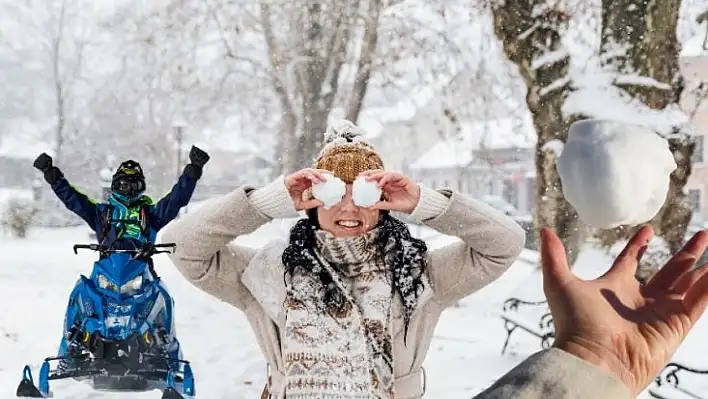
[615, 173]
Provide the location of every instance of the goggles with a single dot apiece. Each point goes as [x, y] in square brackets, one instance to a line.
[128, 186]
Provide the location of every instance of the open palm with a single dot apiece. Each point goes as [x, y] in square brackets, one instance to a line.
[632, 330]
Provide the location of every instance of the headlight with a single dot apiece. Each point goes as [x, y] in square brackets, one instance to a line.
[106, 284]
[132, 285]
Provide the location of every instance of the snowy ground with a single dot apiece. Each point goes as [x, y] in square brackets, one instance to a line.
[37, 274]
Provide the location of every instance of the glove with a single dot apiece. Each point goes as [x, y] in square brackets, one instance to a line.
[52, 174]
[198, 157]
[43, 162]
[192, 171]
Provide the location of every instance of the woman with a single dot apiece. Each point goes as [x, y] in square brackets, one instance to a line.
[347, 307]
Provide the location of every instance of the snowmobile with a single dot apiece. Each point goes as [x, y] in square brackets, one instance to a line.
[118, 331]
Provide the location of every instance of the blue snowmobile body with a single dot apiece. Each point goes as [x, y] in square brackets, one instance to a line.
[118, 330]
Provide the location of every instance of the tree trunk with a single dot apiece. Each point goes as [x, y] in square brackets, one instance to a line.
[364, 66]
[59, 86]
[307, 67]
[530, 33]
[647, 32]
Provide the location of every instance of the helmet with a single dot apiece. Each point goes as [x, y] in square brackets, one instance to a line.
[128, 182]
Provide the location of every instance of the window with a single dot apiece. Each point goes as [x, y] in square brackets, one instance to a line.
[510, 191]
[531, 193]
[694, 198]
[698, 150]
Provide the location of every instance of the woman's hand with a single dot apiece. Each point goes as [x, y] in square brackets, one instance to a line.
[402, 193]
[300, 181]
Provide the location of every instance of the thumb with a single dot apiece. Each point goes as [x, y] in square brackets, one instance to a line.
[554, 262]
[313, 203]
[383, 205]
[628, 260]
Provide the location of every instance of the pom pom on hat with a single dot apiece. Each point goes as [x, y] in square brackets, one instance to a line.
[342, 132]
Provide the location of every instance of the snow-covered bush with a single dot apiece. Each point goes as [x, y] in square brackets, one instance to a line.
[18, 216]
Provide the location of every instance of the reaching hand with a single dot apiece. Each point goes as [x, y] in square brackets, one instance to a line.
[402, 193]
[300, 181]
[43, 162]
[630, 330]
[198, 156]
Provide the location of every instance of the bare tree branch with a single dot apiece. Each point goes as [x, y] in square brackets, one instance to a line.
[364, 65]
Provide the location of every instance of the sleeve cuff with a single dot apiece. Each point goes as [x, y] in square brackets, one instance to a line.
[555, 374]
[273, 200]
[431, 204]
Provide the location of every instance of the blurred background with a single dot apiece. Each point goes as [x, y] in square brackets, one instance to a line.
[475, 95]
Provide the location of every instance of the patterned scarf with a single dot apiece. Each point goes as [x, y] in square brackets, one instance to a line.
[339, 300]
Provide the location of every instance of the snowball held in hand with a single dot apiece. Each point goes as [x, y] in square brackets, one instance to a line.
[331, 191]
[365, 193]
[615, 173]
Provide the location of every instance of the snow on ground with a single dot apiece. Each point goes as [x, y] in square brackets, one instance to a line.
[9, 193]
[37, 274]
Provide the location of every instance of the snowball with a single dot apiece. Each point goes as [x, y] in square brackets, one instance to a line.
[365, 193]
[331, 191]
[615, 173]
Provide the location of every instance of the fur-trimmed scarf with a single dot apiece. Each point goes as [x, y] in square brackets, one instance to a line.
[338, 308]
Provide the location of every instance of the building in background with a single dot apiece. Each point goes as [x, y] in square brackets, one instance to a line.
[694, 67]
[488, 159]
[469, 133]
[230, 168]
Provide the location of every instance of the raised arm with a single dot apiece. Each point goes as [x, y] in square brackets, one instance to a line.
[73, 199]
[205, 254]
[167, 208]
[489, 243]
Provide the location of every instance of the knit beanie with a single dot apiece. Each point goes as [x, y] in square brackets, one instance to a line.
[346, 153]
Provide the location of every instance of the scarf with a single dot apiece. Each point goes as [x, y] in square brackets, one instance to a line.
[338, 304]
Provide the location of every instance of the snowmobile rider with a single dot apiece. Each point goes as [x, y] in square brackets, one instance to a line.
[127, 201]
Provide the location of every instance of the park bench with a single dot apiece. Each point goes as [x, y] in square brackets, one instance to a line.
[516, 319]
[668, 385]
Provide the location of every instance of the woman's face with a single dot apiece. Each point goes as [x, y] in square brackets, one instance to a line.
[346, 219]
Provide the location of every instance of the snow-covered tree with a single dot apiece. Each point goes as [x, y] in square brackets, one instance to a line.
[309, 46]
[639, 47]
[614, 60]
[531, 32]
[278, 69]
[50, 41]
[328, 54]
